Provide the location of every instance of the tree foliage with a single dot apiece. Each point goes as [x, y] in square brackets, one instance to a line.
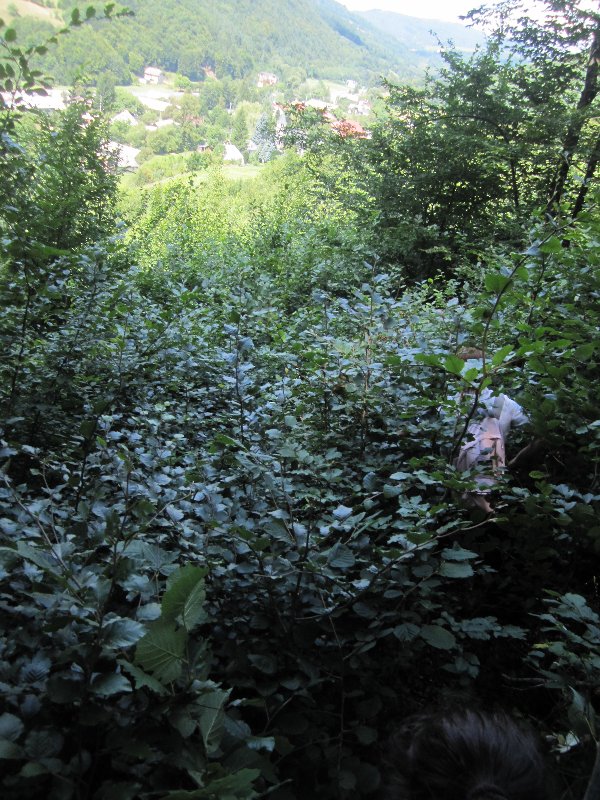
[462, 163]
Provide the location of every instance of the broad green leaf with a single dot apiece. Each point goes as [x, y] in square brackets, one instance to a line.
[156, 557]
[263, 662]
[496, 283]
[141, 678]
[553, 245]
[161, 651]
[183, 721]
[121, 632]
[501, 354]
[43, 744]
[458, 554]
[438, 637]
[341, 556]
[11, 727]
[400, 476]
[110, 684]
[430, 359]
[212, 718]
[38, 557]
[341, 512]
[185, 596]
[10, 751]
[454, 365]
[584, 351]
[227, 441]
[406, 632]
[230, 787]
[450, 569]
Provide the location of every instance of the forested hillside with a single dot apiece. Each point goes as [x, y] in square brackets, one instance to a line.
[233, 38]
[238, 546]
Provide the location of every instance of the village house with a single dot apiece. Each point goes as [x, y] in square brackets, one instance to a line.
[125, 116]
[362, 108]
[233, 154]
[153, 75]
[126, 155]
[347, 128]
[160, 123]
[266, 79]
[53, 100]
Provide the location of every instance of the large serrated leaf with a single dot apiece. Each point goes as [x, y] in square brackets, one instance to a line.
[161, 651]
[38, 557]
[141, 678]
[212, 718]
[454, 365]
[185, 595]
[341, 556]
[121, 632]
[496, 283]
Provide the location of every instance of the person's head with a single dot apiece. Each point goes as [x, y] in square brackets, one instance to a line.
[464, 755]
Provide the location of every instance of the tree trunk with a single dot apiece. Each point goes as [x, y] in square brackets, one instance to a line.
[573, 134]
[589, 174]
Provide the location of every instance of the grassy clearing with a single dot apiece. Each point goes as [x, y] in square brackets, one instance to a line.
[25, 8]
[231, 172]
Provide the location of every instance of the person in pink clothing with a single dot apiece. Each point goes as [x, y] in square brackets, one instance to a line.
[484, 445]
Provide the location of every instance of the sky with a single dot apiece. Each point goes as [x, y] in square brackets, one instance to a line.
[429, 9]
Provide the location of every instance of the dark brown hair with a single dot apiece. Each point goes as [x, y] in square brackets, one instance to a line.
[464, 755]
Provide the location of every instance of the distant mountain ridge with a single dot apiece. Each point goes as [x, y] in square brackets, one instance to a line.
[421, 35]
[237, 38]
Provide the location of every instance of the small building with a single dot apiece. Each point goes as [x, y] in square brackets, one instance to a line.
[266, 79]
[50, 100]
[126, 155]
[351, 85]
[233, 154]
[347, 128]
[319, 105]
[202, 148]
[153, 75]
[125, 116]
[362, 108]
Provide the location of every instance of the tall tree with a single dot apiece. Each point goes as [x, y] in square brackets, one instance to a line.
[566, 51]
